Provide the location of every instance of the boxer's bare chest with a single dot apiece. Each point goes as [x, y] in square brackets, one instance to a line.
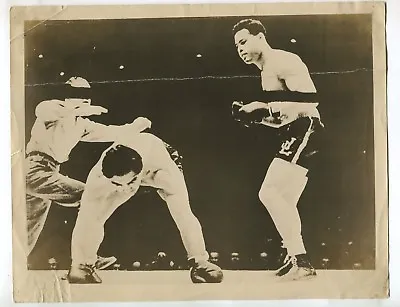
[271, 77]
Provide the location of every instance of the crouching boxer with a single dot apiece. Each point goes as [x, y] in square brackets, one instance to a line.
[140, 160]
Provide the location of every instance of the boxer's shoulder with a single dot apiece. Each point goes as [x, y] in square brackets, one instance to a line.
[146, 144]
[286, 60]
[138, 139]
[148, 140]
[96, 181]
[283, 55]
[149, 136]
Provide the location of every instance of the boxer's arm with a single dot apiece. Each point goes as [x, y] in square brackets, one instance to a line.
[171, 184]
[254, 113]
[273, 114]
[96, 132]
[255, 105]
[106, 193]
[175, 155]
[297, 79]
[299, 100]
[297, 76]
[97, 187]
[100, 190]
[168, 178]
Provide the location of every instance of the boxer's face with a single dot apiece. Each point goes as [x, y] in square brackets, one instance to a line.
[128, 179]
[248, 46]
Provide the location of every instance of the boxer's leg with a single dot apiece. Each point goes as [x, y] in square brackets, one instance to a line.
[280, 192]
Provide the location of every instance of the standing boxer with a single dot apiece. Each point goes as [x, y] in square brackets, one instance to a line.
[59, 126]
[289, 104]
[140, 160]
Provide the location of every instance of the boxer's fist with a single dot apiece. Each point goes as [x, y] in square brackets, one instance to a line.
[251, 113]
[239, 115]
[205, 272]
[236, 105]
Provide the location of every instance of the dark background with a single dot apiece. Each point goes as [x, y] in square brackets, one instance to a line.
[224, 163]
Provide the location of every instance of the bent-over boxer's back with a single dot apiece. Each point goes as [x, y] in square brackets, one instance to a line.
[157, 161]
[150, 148]
[155, 157]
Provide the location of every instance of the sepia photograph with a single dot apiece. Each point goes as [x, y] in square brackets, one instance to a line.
[244, 151]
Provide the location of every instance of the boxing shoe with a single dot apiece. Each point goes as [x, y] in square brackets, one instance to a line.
[83, 274]
[285, 268]
[296, 268]
[104, 262]
[205, 272]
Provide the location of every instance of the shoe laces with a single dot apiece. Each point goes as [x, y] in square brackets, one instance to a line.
[294, 261]
[90, 268]
[287, 261]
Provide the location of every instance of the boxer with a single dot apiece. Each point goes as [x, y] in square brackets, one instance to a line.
[133, 161]
[288, 104]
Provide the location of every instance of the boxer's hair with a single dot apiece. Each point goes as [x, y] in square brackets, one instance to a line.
[121, 160]
[252, 25]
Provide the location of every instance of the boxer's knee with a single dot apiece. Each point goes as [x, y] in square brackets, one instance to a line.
[268, 194]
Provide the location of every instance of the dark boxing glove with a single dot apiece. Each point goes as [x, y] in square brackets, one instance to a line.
[248, 118]
[205, 272]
